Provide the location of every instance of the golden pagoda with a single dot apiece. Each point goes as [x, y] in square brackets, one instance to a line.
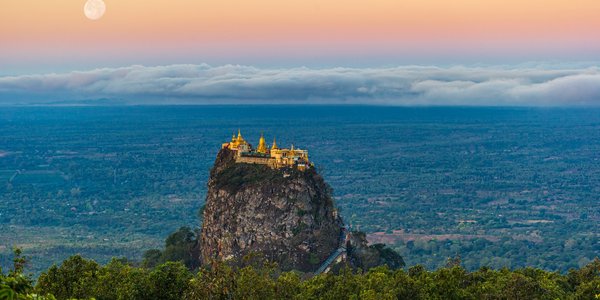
[262, 145]
[274, 157]
[238, 143]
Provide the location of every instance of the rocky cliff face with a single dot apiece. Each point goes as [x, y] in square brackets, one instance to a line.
[287, 215]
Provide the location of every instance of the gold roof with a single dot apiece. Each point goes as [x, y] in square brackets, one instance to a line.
[274, 147]
[262, 145]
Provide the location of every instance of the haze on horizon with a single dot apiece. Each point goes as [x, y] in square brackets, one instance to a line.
[464, 52]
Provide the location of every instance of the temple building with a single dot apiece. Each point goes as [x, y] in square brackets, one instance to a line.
[273, 156]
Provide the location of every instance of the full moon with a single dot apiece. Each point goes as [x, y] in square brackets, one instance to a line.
[94, 9]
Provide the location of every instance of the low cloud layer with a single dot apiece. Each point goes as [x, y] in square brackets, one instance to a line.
[411, 85]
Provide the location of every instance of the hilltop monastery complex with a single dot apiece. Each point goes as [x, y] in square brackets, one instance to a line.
[273, 156]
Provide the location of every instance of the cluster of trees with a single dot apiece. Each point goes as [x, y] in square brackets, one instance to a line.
[575, 252]
[256, 278]
[181, 245]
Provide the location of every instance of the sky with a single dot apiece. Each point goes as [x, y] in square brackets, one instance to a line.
[54, 38]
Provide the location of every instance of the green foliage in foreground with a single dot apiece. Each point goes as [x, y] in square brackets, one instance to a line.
[80, 278]
[17, 286]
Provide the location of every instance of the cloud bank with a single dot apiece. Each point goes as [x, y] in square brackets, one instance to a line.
[410, 85]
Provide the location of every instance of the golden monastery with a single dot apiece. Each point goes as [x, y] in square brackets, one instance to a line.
[273, 156]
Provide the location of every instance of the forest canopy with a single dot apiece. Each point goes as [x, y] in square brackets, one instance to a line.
[82, 278]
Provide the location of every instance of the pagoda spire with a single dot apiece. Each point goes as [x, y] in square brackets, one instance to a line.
[262, 145]
[274, 147]
[239, 137]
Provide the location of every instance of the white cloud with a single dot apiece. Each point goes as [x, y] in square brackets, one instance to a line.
[410, 85]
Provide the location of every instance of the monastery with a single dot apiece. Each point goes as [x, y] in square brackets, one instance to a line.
[273, 157]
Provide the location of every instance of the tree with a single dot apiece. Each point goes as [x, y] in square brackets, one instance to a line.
[216, 282]
[180, 245]
[119, 280]
[75, 278]
[287, 285]
[389, 257]
[152, 258]
[168, 281]
[16, 285]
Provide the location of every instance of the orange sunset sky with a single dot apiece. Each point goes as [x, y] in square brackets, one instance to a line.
[55, 34]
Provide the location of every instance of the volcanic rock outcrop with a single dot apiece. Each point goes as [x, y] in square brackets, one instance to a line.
[286, 215]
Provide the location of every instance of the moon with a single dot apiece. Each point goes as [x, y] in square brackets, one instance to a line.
[94, 9]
